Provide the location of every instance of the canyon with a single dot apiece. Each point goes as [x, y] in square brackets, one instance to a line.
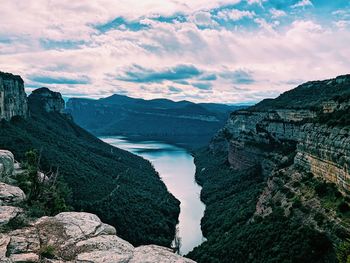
[287, 160]
[275, 181]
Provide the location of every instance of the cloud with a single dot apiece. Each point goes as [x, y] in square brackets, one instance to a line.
[44, 79]
[203, 19]
[342, 24]
[143, 47]
[174, 89]
[302, 3]
[121, 24]
[235, 14]
[277, 13]
[259, 2]
[203, 86]
[140, 74]
[208, 77]
[239, 76]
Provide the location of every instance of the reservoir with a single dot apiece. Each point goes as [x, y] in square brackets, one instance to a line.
[176, 168]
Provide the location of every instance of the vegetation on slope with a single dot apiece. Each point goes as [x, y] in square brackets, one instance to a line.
[235, 233]
[309, 95]
[177, 122]
[122, 189]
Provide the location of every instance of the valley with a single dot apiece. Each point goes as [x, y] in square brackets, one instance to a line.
[274, 180]
[177, 170]
[183, 123]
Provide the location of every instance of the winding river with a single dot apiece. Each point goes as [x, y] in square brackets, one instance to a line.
[176, 168]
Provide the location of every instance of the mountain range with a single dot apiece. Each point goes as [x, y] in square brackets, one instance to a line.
[182, 122]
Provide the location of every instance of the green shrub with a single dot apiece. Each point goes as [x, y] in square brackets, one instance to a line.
[47, 251]
[343, 207]
[343, 252]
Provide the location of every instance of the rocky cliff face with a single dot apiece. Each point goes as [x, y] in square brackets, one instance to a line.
[47, 100]
[271, 136]
[67, 237]
[13, 99]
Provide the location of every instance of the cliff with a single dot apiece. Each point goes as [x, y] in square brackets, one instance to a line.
[253, 136]
[65, 237]
[275, 180]
[47, 100]
[13, 99]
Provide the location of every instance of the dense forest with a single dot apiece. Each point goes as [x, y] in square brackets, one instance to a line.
[235, 234]
[122, 189]
[309, 95]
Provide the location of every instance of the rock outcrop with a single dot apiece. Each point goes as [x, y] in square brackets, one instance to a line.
[47, 100]
[6, 163]
[77, 237]
[13, 99]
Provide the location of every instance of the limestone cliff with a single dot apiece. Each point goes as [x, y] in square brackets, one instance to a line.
[272, 135]
[47, 100]
[67, 237]
[13, 99]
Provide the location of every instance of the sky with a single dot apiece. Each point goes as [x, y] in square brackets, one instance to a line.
[230, 51]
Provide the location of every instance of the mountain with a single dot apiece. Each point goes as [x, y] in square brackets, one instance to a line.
[180, 122]
[276, 182]
[123, 189]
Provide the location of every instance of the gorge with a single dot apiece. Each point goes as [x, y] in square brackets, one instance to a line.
[275, 183]
[177, 170]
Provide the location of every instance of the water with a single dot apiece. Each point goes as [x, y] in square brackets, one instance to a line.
[176, 168]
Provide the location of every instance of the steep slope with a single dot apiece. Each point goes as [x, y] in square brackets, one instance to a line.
[178, 122]
[65, 237]
[124, 190]
[276, 180]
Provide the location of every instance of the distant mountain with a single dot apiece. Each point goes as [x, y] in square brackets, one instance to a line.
[181, 122]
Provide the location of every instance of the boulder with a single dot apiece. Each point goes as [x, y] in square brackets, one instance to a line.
[105, 248]
[7, 213]
[10, 195]
[7, 161]
[4, 241]
[157, 254]
[24, 240]
[80, 238]
[25, 257]
[73, 226]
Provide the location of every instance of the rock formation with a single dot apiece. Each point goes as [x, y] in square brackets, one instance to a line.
[67, 237]
[13, 99]
[47, 100]
[270, 135]
[77, 237]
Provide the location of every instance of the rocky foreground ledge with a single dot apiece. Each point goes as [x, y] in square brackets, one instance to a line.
[67, 237]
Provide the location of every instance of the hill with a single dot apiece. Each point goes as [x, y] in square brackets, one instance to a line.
[180, 122]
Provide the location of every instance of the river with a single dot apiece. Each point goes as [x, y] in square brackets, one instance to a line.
[176, 168]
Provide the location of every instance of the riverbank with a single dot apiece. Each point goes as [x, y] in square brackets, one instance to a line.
[176, 168]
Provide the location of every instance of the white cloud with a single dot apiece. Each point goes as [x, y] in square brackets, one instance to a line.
[235, 14]
[342, 24]
[303, 3]
[277, 13]
[302, 50]
[203, 18]
[259, 2]
[268, 27]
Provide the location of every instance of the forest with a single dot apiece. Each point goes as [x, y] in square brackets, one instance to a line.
[124, 190]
